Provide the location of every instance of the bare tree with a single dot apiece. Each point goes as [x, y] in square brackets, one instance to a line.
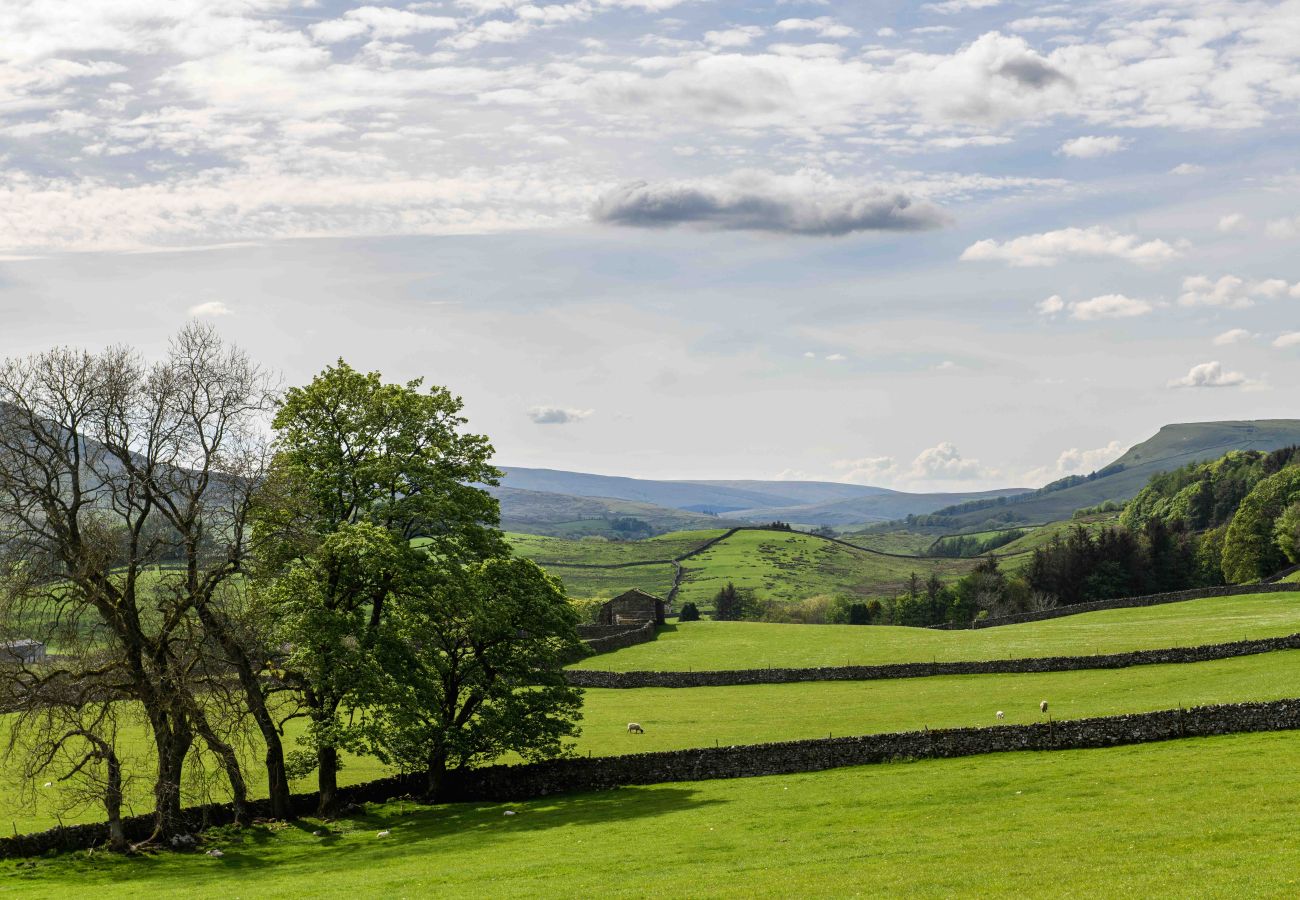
[124, 490]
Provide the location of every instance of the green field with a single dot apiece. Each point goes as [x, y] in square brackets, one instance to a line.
[786, 566]
[700, 717]
[743, 645]
[606, 583]
[902, 543]
[678, 718]
[558, 551]
[1204, 817]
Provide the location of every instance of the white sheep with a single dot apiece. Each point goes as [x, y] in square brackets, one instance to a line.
[216, 854]
[634, 728]
[1043, 706]
[1001, 714]
[383, 834]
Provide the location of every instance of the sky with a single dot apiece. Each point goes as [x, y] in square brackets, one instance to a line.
[953, 245]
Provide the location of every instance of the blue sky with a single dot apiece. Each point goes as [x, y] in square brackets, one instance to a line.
[958, 244]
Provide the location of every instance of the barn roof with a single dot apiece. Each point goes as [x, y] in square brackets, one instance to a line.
[636, 592]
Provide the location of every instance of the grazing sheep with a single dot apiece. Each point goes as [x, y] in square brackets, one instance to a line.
[634, 728]
[383, 834]
[509, 812]
[1001, 714]
[1043, 706]
[216, 854]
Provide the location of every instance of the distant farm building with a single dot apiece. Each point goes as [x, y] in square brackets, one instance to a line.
[634, 607]
[23, 651]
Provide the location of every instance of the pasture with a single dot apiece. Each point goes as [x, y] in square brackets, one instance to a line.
[1198, 816]
[742, 645]
[786, 566]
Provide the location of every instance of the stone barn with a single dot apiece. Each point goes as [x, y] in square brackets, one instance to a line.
[632, 608]
[23, 651]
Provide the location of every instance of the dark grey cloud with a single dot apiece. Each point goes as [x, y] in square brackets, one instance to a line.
[778, 205]
[557, 415]
[1032, 72]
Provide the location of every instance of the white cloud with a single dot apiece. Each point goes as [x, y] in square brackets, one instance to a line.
[1229, 291]
[1288, 340]
[836, 357]
[1074, 461]
[733, 37]
[1210, 375]
[1187, 169]
[1231, 336]
[1043, 23]
[1050, 248]
[945, 462]
[949, 7]
[1051, 306]
[1090, 146]
[1231, 223]
[1109, 306]
[556, 415]
[822, 26]
[209, 309]
[867, 470]
[1283, 229]
[380, 22]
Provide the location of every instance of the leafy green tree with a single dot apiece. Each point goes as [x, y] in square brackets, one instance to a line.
[690, 613]
[362, 471]
[1286, 532]
[473, 670]
[1250, 548]
[732, 604]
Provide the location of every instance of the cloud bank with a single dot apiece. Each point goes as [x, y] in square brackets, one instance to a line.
[763, 202]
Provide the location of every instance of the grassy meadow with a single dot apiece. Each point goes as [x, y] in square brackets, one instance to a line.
[1199, 817]
[792, 566]
[742, 645]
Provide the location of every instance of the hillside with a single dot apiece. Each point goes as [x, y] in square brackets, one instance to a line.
[566, 515]
[1171, 447]
[570, 502]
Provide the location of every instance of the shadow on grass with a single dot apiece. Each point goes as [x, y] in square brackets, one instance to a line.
[353, 841]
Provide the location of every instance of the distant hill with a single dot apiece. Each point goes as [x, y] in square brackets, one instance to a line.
[699, 496]
[574, 502]
[883, 507]
[564, 515]
[1172, 446]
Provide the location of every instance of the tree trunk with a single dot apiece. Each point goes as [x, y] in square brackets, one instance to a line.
[113, 804]
[230, 762]
[436, 777]
[277, 778]
[172, 750]
[327, 775]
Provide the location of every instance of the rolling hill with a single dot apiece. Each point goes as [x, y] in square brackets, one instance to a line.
[1172, 446]
[550, 501]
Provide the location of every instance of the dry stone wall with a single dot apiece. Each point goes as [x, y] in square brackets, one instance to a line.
[596, 679]
[513, 783]
[523, 782]
[1231, 590]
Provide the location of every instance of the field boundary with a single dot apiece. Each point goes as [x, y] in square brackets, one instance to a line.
[1229, 590]
[593, 678]
[575, 775]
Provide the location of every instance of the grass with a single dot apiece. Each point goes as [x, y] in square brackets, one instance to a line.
[701, 717]
[791, 566]
[679, 718]
[587, 583]
[558, 551]
[1202, 816]
[743, 645]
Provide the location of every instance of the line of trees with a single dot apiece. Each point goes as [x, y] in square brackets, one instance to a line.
[212, 581]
